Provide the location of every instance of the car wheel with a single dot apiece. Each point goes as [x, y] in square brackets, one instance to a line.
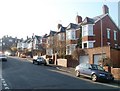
[5, 60]
[77, 73]
[45, 64]
[94, 78]
[38, 63]
[33, 62]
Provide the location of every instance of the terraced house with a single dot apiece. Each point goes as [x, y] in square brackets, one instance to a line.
[72, 36]
[32, 46]
[98, 37]
[50, 43]
[64, 41]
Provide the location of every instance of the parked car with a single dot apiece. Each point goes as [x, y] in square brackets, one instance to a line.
[3, 57]
[39, 60]
[93, 71]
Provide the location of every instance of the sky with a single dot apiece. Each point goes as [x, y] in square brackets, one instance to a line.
[22, 18]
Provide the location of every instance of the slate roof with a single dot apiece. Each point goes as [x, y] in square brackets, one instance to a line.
[62, 29]
[45, 36]
[38, 37]
[29, 40]
[52, 33]
[73, 26]
[88, 20]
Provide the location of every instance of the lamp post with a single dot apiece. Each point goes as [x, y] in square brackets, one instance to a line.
[101, 27]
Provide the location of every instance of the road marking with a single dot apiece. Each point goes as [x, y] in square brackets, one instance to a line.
[7, 88]
[4, 83]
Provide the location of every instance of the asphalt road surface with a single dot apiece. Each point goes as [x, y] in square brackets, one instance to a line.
[20, 73]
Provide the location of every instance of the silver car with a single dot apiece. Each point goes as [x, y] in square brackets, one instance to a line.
[39, 60]
[3, 57]
[93, 71]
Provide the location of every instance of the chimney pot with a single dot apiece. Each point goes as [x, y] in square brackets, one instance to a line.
[105, 9]
[78, 19]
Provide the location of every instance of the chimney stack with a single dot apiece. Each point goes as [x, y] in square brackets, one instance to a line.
[59, 25]
[27, 37]
[105, 9]
[78, 19]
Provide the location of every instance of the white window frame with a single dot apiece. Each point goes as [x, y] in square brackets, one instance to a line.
[116, 45]
[84, 31]
[49, 51]
[108, 33]
[89, 45]
[61, 37]
[115, 35]
[70, 48]
[68, 34]
[87, 30]
[71, 34]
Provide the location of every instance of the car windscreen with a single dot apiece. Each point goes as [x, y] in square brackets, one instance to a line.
[39, 57]
[97, 67]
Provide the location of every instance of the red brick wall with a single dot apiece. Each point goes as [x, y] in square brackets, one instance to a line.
[115, 57]
[116, 73]
[78, 34]
[113, 54]
[98, 50]
[106, 23]
[62, 62]
[71, 62]
[118, 34]
[71, 41]
[86, 38]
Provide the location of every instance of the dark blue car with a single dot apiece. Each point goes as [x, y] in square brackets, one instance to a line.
[93, 71]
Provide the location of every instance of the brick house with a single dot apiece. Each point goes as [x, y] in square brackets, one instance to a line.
[32, 46]
[95, 44]
[61, 40]
[91, 31]
[73, 32]
[94, 41]
[43, 41]
[50, 43]
[39, 45]
[24, 46]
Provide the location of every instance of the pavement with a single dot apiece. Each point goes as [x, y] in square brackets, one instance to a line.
[71, 70]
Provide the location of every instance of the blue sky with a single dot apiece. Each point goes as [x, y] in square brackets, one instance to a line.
[21, 18]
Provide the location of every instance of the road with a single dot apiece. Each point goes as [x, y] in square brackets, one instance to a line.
[20, 73]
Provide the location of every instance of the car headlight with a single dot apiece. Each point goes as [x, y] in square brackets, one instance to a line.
[102, 74]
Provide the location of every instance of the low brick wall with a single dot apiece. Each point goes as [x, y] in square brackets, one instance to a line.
[62, 62]
[116, 73]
